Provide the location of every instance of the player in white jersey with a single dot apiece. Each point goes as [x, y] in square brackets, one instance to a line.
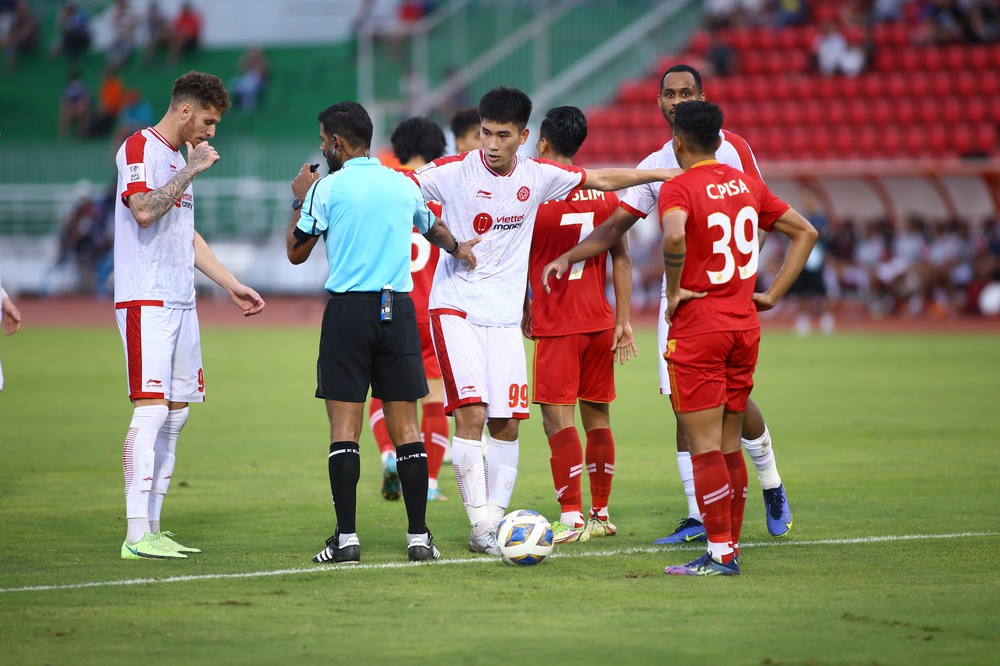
[492, 195]
[682, 83]
[156, 252]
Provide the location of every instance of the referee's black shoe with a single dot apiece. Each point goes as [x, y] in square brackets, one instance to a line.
[340, 550]
[420, 547]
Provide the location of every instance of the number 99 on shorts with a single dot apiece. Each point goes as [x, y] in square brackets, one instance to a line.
[518, 395]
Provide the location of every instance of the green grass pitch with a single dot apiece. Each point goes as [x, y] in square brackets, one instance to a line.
[889, 446]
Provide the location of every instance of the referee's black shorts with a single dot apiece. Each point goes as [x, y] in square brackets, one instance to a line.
[357, 350]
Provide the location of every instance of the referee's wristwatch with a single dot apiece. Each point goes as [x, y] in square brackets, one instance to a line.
[297, 204]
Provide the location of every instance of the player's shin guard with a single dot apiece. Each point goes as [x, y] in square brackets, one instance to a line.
[470, 473]
[711, 483]
[379, 429]
[138, 458]
[566, 462]
[344, 465]
[762, 455]
[434, 431]
[501, 475]
[738, 498]
[600, 468]
[411, 465]
[165, 448]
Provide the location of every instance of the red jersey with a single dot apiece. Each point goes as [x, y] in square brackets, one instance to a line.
[423, 262]
[725, 208]
[577, 303]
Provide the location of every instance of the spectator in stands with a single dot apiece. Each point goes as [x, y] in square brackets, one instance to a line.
[465, 127]
[137, 114]
[950, 256]
[833, 53]
[984, 21]
[811, 289]
[250, 85]
[124, 24]
[185, 32]
[886, 11]
[720, 54]
[789, 12]
[110, 100]
[74, 107]
[157, 31]
[73, 34]
[19, 33]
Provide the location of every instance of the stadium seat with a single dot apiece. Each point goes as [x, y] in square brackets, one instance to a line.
[881, 112]
[892, 141]
[634, 92]
[975, 110]
[966, 83]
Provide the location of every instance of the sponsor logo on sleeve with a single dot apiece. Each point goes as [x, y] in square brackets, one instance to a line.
[137, 173]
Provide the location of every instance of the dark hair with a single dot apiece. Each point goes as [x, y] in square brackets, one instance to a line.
[350, 120]
[205, 90]
[565, 127]
[699, 123]
[683, 68]
[464, 119]
[505, 105]
[418, 136]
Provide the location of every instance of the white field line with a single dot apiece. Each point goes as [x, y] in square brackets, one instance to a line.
[483, 560]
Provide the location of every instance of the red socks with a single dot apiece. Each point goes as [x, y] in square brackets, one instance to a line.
[738, 482]
[567, 464]
[713, 490]
[434, 432]
[600, 466]
[379, 429]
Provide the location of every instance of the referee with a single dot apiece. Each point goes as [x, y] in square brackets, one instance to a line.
[366, 213]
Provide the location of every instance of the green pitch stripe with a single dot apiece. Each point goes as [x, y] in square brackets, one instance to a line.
[488, 560]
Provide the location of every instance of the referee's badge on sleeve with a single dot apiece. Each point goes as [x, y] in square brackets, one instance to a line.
[136, 173]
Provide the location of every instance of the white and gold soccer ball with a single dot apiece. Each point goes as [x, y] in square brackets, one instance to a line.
[524, 538]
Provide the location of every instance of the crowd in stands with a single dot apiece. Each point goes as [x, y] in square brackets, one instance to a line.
[86, 239]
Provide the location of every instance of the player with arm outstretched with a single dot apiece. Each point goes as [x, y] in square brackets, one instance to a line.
[156, 253]
[679, 84]
[577, 337]
[491, 195]
[711, 215]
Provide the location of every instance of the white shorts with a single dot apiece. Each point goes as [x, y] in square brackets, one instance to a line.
[481, 364]
[162, 352]
[661, 341]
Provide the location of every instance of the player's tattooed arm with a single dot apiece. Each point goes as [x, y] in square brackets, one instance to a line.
[148, 207]
[673, 260]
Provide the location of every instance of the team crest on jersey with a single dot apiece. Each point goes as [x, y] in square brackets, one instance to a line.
[482, 223]
[523, 193]
[136, 173]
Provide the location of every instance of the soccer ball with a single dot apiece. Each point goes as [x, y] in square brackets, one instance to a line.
[524, 538]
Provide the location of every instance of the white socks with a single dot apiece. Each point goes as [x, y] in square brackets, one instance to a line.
[165, 448]
[762, 455]
[501, 475]
[686, 470]
[138, 458]
[470, 472]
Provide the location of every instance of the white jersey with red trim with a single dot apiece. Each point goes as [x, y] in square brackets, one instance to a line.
[157, 263]
[734, 151]
[499, 209]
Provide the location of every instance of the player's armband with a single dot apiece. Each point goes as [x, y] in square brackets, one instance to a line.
[300, 237]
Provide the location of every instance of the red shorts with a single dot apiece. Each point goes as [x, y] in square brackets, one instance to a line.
[712, 369]
[574, 366]
[431, 369]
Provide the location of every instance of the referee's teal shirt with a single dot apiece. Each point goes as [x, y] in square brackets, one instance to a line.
[367, 213]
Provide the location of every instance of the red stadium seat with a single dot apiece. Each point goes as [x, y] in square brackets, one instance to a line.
[906, 112]
[892, 140]
[953, 57]
[921, 83]
[975, 110]
[964, 139]
[952, 110]
[752, 63]
[986, 138]
[977, 58]
[812, 112]
[881, 112]
[768, 114]
[633, 92]
[966, 83]
[820, 144]
[859, 111]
